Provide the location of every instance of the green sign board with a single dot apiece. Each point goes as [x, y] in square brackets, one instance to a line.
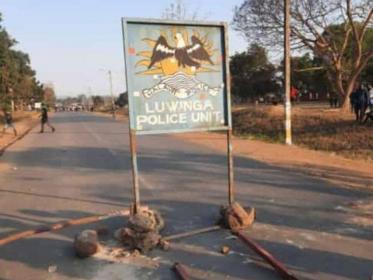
[177, 76]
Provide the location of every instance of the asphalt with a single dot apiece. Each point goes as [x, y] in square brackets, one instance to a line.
[84, 169]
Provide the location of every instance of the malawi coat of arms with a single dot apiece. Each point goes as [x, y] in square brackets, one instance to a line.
[175, 59]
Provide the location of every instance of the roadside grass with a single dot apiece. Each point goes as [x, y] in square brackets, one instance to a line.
[316, 128]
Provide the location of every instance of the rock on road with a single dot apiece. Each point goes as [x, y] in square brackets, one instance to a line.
[84, 169]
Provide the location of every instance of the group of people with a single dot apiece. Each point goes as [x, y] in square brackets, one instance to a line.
[8, 121]
[361, 100]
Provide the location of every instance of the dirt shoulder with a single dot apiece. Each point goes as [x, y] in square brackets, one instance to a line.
[23, 121]
[337, 169]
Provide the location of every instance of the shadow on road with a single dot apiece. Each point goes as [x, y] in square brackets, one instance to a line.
[281, 196]
[187, 184]
[200, 252]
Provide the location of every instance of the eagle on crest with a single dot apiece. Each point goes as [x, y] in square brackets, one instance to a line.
[185, 55]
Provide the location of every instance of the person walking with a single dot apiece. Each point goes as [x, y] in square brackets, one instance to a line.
[359, 101]
[369, 113]
[333, 99]
[45, 120]
[8, 123]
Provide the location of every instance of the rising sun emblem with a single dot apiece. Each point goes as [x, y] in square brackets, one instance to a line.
[176, 62]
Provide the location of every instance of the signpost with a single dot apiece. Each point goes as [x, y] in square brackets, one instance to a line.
[178, 81]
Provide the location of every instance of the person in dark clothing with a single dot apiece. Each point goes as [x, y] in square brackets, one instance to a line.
[8, 123]
[333, 100]
[45, 120]
[359, 102]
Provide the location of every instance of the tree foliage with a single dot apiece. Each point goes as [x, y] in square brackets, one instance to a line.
[308, 74]
[122, 99]
[338, 32]
[252, 74]
[49, 95]
[17, 78]
[98, 101]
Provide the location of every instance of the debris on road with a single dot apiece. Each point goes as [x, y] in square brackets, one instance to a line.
[278, 266]
[165, 245]
[192, 232]
[102, 231]
[61, 225]
[52, 268]
[86, 243]
[181, 271]
[235, 217]
[225, 250]
[142, 231]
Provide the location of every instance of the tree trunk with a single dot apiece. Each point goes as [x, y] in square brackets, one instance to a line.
[346, 102]
[346, 105]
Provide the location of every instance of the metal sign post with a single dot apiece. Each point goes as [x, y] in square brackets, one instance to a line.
[177, 77]
[135, 177]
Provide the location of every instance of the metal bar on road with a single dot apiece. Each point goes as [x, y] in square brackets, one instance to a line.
[61, 225]
[135, 175]
[278, 266]
[190, 233]
[181, 271]
[230, 167]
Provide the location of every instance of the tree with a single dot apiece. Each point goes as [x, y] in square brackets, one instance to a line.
[338, 32]
[49, 95]
[6, 42]
[17, 78]
[21, 77]
[308, 74]
[122, 100]
[252, 74]
[98, 101]
[367, 73]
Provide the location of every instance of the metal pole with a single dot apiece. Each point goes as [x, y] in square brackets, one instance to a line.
[111, 93]
[288, 138]
[230, 166]
[190, 233]
[280, 268]
[135, 178]
[181, 271]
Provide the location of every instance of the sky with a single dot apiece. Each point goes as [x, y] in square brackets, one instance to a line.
[72, 42]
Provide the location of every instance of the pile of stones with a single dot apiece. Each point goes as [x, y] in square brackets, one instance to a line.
[142, 233]
[235, 217]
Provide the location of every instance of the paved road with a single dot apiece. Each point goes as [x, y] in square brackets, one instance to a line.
[84, 169]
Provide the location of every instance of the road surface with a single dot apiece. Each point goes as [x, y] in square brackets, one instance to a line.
[84, 169]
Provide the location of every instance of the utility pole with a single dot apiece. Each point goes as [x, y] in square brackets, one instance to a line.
[288, 138]
[111, 93]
